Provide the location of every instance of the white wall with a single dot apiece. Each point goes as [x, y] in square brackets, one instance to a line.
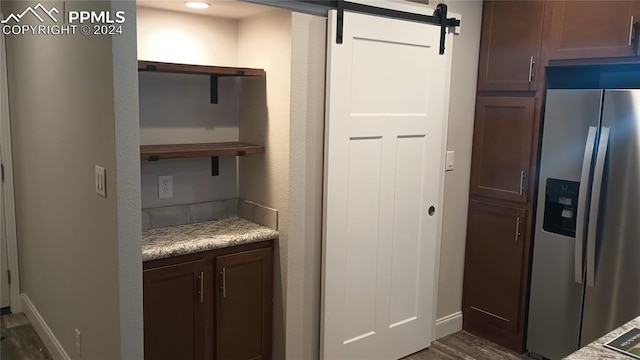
[80, 262]
[192, 181]
[186, 38]
[265, 42]
[308, 66]
[176, 108]
[459, 139]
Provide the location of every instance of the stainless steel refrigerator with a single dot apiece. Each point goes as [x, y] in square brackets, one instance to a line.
[585, 279]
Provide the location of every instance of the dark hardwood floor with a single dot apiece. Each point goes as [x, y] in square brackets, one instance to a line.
[463, 345]
[20, 340]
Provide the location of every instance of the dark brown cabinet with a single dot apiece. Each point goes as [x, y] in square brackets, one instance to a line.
[496, 260]
[510, 46]
[243, 329]
[173, 312]
[508, 120]
[211, 305]
[502, 139]
[592, 29]
[496, 272]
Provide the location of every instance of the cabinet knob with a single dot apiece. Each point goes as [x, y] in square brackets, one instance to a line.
[432, 210]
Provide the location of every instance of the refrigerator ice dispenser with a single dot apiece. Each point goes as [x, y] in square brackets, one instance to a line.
[561, 201]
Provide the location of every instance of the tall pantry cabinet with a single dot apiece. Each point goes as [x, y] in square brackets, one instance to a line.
[519, 39]
[503, 162]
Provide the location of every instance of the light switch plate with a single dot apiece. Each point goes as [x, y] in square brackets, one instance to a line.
[450, 160]
[165, 187]
[101, 181]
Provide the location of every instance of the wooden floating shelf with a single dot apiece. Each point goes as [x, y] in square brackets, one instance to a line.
[180, 151]
[198, 69]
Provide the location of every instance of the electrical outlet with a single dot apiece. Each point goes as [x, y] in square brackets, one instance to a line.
[450, 160]
[101, 181]
[165, 186]
[78, 344]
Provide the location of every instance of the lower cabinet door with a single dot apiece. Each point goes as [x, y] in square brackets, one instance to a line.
[244, 306]
[495, 273]
[173, 312]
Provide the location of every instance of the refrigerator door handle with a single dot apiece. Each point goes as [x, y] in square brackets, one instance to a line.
[582, 204]
[595, 205]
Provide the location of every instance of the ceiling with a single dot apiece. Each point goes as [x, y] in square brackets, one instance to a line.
[231, 9]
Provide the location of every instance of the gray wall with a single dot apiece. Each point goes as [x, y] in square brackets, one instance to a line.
[265, 42]
[308, 46]
[79, 253]
[127, 141]
[459, 138]
[177, 109]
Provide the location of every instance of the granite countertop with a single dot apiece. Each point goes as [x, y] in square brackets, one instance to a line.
[596, 350]
[192, 238]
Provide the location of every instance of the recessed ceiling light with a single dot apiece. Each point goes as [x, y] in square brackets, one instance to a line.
[196, 5]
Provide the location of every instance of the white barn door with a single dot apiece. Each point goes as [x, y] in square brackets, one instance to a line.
[387, 104]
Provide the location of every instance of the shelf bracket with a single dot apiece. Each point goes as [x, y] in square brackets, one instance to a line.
[215, 163]
[214, 89]
[214, 83]
[215, 166]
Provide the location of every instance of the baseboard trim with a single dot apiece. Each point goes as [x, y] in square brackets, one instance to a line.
[51, 342]
[448, 325]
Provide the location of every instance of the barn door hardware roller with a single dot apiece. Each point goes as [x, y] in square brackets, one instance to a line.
[439, 17]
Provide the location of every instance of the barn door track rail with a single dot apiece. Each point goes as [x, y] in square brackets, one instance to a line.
[439, 17]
